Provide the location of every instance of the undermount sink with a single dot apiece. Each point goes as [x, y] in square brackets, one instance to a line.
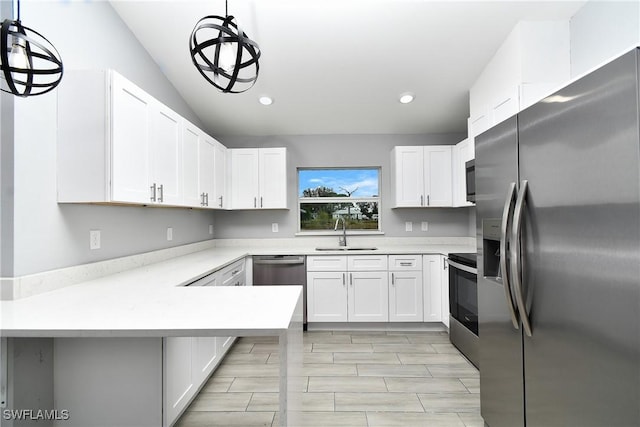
[346, 248]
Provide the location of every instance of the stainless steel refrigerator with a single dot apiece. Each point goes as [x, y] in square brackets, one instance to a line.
[558, 227]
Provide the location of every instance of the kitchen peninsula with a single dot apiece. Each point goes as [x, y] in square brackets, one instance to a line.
[108, 334]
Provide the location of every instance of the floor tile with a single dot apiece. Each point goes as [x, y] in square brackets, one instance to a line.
[245, 358]
[371, 370]
[471, 419]
[259, 339]
[220, 402]
[392, 419]
[265, 348]
[445, 348]
[227, 419]
[472, 384]
[329, 369]
[432, 359]
[326, 338]
[392, 402]
[261, 370]
[326, 419]
[253, 384]
[450, 402]
[458, 371]
[217, 384]
[380, 339]
[403, 348]
[344, 348]
[307, 358]
[425, 385]
[377, 358]
[346, 384]
[321, 402]
[241, 347]
[429, 338]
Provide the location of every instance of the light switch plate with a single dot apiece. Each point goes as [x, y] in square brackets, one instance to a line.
[408, 226]
[169, 233]
[274, 227]
[424, 226]
[210, 228]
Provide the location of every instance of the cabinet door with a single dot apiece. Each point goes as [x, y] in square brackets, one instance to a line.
[244, 178]
[432, 288]
[205, 357]
[167, 155]
[327, 296]
[206, 176]
[191, 136]
[273, 178]
[131, 142]
[405, 296]
[408, 176]
[368, 296]
[219, 198]
[178, 382]
[437, 176]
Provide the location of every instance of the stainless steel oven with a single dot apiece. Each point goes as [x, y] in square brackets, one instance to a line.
[463, 304]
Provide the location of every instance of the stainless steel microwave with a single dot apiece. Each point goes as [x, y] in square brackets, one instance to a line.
[470, 175]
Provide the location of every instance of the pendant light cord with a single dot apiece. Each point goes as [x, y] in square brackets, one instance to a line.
[226, 8]
[16, 7]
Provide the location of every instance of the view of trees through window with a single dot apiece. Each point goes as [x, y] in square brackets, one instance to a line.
[325, 195]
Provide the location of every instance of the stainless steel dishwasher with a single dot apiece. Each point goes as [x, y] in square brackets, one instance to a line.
[282, 270]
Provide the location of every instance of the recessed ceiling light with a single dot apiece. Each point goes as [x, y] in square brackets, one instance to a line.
[265, 100]
[406, 98]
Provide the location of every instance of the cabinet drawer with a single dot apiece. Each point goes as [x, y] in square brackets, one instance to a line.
[366, 262]
[405, 262]
[327, 263]
[232, 274]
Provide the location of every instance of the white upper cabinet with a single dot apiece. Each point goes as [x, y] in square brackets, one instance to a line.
[191, 164]
[533, 60]
[116, 143]
[258, 178]
[422, 176]
[219, 198]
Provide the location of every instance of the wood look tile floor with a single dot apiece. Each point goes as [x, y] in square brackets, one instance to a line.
[353, 378]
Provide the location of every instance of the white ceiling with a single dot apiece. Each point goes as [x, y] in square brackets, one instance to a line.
[339, 66]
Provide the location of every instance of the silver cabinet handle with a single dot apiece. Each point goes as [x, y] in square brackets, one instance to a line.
[153, 192]
[351, 279]
[161, 191]
[406, 264]
[515, 254]
[255, 203]
[428, 200]
[206, 195]
[393, 279]
[202, 199]
[260, 201]
[220, 201]
[421, 200]
[344, 279]
[444, 263]
[504, 234]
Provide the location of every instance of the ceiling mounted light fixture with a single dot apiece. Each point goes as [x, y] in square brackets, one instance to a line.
[30, 64]
[406, 98]
[223, 54]
[265, 100]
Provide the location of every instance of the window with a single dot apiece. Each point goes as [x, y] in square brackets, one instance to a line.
[325, 195]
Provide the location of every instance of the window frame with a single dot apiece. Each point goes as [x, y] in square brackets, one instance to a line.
[302, 200]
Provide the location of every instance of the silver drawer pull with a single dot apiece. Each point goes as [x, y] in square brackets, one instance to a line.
[406, 264]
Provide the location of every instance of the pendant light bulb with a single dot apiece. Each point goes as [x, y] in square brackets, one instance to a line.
[18, 56]
[227, 58]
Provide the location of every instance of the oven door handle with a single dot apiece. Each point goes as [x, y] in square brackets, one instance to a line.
[462, 267]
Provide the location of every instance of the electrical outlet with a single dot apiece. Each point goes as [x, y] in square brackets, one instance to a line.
[408, 226]
[274, 227]
[424, 226]
[210, 228]
[169, 233]
[94, 239]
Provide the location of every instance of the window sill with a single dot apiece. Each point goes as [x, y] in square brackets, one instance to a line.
[339, 233]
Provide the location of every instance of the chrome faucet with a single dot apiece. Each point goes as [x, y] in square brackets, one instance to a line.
[342, 240]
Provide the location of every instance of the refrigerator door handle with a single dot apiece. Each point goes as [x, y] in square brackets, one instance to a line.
[516, 262]
[506, 215]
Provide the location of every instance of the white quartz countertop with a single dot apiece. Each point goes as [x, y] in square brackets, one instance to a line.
[151, 301]
[148, 301]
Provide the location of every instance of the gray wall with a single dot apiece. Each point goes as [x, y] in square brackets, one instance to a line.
[47, 235]
[600, 30]
[342, 151]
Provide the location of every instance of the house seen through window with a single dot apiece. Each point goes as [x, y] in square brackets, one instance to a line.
[325, 195]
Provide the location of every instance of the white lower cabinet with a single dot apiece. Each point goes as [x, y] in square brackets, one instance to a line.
[347, 296]
[405, 288]
[189, 361]
[436, 289]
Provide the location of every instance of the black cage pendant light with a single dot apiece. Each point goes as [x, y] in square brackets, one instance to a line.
[29, 62]
[224, 54]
